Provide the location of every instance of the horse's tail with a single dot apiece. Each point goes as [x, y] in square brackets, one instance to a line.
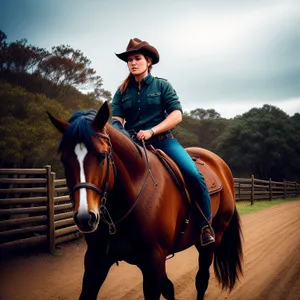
[229, 254]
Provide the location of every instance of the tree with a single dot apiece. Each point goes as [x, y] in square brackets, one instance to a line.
[207, 130]
[23, 58]
[102, 94]
[294, 139]
[45, 81]
[3, 50]
[68, 67]
[18, 57]
[202, 114]
[28, 138]
[186, 138]
[61, 74]
[260, 142]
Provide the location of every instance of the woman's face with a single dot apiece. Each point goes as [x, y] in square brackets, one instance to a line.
[137, 64]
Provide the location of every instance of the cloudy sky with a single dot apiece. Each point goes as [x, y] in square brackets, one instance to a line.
[227, 55]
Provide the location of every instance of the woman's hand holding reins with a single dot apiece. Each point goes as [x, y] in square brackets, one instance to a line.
[144, 134]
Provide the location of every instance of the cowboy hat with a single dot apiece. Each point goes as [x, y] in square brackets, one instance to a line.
[136, 45]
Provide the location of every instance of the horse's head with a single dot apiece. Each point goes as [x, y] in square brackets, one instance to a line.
[86, 155]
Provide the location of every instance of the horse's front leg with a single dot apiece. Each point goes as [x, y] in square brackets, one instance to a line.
[96, 267]
[154, 274]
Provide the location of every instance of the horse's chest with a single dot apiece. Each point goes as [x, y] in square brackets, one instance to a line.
[120, 248]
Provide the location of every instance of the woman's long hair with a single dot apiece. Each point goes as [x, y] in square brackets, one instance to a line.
[130, 77]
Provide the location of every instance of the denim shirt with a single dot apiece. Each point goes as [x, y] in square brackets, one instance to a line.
[145, 108]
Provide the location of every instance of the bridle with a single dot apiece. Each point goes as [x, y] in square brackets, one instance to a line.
[106, 217]
[104, 191]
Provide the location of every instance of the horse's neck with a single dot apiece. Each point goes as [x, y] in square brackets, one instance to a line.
[129, 160]
[131, 173]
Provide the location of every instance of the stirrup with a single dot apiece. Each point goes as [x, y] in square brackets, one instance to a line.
[210, 233]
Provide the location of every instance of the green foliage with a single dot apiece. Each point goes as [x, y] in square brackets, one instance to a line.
[261, 142]
[186, 133]
[65, 66]
[28, 139]
[205, 131]
[204, 114]
[209, 131]
[186, 138]
[19, 57]
[51, 82]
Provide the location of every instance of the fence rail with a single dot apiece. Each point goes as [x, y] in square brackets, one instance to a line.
[251, 189]
[35, 207]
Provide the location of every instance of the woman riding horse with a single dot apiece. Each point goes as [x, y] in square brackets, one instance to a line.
[150, 107]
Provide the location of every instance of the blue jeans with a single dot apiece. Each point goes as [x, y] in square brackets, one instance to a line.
[193, 178]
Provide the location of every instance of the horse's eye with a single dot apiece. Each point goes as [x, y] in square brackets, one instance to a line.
[101, 156]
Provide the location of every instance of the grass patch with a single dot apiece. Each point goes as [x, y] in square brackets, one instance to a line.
[245, 207]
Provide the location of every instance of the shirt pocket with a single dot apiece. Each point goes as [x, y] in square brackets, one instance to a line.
[126, 102]
[153, 98]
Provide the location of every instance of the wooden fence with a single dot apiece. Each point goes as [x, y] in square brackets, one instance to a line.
[251, 189]
[35, 208]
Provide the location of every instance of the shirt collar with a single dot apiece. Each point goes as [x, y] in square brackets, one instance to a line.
[148, 79]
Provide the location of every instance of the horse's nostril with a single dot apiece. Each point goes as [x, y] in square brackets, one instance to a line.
[93, 219]
[82, 219]
[86, 220]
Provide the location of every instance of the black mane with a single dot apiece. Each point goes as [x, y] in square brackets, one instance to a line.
[80, 129]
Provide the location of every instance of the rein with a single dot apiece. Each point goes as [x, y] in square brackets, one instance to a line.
[103, 210]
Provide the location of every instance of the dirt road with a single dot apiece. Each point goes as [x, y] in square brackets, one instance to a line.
[271, 267]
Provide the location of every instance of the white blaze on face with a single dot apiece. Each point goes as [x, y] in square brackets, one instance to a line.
[81, 151]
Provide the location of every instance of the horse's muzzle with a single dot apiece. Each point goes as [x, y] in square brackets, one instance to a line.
[86, 222]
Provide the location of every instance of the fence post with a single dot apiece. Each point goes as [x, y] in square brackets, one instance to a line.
[284, 189]
[50, 217]
[270, 189]
[252, 189]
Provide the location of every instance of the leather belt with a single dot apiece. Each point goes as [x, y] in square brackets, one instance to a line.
[159, 137]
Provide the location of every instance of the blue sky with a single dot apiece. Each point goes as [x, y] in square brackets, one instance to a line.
[227, 55]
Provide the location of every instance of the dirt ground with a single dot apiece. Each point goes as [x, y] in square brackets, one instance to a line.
[271, 267]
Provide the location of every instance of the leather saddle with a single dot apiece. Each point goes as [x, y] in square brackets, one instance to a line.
[212, 181]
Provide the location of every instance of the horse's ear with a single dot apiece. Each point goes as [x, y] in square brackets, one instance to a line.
[61, 125]
[102, 116]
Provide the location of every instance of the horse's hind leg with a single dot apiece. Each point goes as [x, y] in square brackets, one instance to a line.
[168, 289]
[204, 261]
[96, 267]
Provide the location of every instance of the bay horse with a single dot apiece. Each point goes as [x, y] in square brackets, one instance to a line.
[129, 208]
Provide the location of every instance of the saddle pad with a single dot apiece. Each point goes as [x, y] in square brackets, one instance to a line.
[212, 180]
[173, 169]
